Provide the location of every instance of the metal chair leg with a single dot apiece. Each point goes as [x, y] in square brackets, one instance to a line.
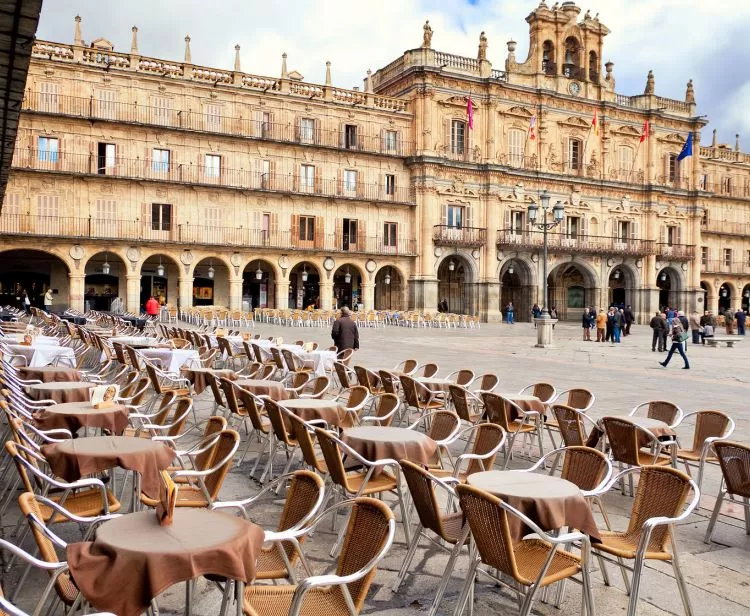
[409, 556]
[635, 590]
[681, 585]
[715, 515]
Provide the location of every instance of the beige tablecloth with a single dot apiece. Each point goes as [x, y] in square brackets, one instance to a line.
[74, 391]
[261, 387]
[550, 502]
[133, 559]
[328, 410]
[526, 402]
[76, 458]
[380, 442]
[658, 428]
[49, 374]
[74, 415]
[435, 383]
[197, 376]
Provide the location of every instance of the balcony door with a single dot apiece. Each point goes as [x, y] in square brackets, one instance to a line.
[349, 234]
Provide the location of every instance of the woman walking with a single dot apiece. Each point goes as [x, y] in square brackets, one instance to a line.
[679, 336]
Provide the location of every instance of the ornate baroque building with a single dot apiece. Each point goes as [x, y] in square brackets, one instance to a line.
[134, 175]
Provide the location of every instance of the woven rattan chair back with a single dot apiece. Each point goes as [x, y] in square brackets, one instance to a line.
[258, 353]
[278, 358]
[488, 382]
[306, 443]
[342, 375]
[430, 369]
[464, 377]
[386, 404]
[130, 386]
[442, 425]
[153, 377]
[230, 395]
[165, 406]
[543, 391]
[570, 425]
[487, 436]
[251, 406]
[662, 491]
[460, 402]
[229, 440]
[299, 379]
[224, 346]
[332, 456]
[290, 359]
[623, 440]
[345, 356]
[584, 466]
[120, 353]
[388, 381]
[357, 395]
[422, 490]
[579, 398]
[213, 426]
[408, 366]
[411, 392]
[213, 385]
[182, 408]
[265, 372]
[276, 415]
[663, 411]
[494, 409]
[709, 424]
[319, 385]
[734, 459]
[366, 535]
[133, 356]
[301, 497]
[367, 378]
[12, 450]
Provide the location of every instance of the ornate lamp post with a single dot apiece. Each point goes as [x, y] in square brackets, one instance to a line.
[544, 323]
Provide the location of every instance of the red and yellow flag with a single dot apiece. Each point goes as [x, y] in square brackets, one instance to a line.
[644, 132]
[595, 124]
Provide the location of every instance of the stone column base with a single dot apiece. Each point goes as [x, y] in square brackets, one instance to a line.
[544, 335]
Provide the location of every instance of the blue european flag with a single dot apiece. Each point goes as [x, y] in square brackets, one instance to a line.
[687, 149]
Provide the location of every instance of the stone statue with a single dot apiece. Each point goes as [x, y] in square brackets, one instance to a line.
[587, 15]
[649, 83]
[427, 36]
[482, 54]
[690, 93]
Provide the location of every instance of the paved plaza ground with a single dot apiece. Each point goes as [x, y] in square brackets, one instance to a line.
[620, 376]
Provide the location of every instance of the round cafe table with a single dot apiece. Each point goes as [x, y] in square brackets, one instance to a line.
[435, 383]
[197, 376]
[49, 374]
[526, 402]
[331, 412]
[548, 501]
[72, 459]
[133, 558]
[75, 415]
[381, 442]
[658, 428]
[261, 387]
[74, 391]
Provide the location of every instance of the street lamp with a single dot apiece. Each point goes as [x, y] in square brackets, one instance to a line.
[347, 277]
[451, 265]
[160, 269]
[105, 265]
[258, 273]
[558, 212]
[387, 280]
[510, 269]
[211, 270]
[304, 273]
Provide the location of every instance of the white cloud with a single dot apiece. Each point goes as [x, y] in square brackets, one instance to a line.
[678, 39]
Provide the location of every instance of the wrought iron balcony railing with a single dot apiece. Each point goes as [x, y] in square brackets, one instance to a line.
[445, 235]
[675, 252]
[717, 266]
[578, 243]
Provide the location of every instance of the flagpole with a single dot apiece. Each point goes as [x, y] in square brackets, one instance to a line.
[635, 159]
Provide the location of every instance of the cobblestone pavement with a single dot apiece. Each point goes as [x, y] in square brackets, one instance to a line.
[620, 376]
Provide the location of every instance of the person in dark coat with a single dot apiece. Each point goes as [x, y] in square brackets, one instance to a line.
[740, 317]
[629, 319]
[345, 333]
[659, 326]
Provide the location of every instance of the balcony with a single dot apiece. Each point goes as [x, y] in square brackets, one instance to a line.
[578, 244]
[722, 227]
[139, 231]
[468, 237]
[681, 182]
[184, 173]
[722, 189]
[675, 252]
[91, 109]
[716, 266]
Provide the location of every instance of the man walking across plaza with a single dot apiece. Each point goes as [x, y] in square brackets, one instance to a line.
[509, 313]
[658, 325]
[679, 336]
[344, 332]
[629, 319]
[740, 317]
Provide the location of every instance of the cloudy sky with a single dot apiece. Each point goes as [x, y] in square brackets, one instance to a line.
[679, 39]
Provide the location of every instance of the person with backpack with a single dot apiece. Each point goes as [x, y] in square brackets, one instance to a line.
[679, 336]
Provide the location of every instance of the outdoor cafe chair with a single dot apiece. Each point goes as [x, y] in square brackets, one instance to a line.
[668, 412]
[734, 459]
[710, 426]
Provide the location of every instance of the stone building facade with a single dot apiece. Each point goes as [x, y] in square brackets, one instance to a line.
[136, 176]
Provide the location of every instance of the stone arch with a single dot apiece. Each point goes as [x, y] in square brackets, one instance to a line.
[392, 296]
[350, 293]
[35, 270]
[259, 293]
[573, 285]
[210, 290]
[517, 286]
[201, 258]
[304, 293]
[467, 259]
[457, 285]
[106, 278]
[746, 298]
[728, 300]
[164, 288]
[670, 281]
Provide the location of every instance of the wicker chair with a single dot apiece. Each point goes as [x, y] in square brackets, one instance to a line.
[668, 412]
[386, 406]
[626, 440]
[304, 498]
[419, 397]
[367, 378]
[314, 388]
[577, 398]
[294, 363]
[462, 377]
[356, 398]
[485, 382]
[426, 370]
[524, 566]
[658, 506]
[229, 357]
[544, 391]
[448, 527]
[345, 376]
[345, 356]
[468, 405]
[571, 423]
[163, 382]
[202, 454]
[282, 438]
[254, 407]
[734, 459]
[369, 535]
[483, 442]
[710, 426]
[498, 409]
[407, 367]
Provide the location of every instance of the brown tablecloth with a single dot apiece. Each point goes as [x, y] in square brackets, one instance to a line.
[435, 383]
[332, 412]
[75, 458]
[49, 374]
[658, 428]
[379, 442]
[197, 376]
[262, 387]
[526, 402]
[550, 502]
[133, 559]
[74, 415]
[75, 391]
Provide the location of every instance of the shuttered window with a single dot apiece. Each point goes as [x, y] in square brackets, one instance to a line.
[516, 145]
[212, 118]
[105, 104]
[106, 209]
[48, 99]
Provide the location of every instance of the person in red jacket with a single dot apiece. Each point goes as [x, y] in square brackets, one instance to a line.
[152, 307]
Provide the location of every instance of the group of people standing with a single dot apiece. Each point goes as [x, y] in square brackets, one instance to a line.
[611, 326]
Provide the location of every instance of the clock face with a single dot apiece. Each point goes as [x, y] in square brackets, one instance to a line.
[574, 88]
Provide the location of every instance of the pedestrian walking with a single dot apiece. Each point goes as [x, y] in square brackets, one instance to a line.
[25, 301]
[610, 324]
[509, 313]
[344, 332]
[586, 322]
[617, 321]
[48, 299]
[658, 326]
[679, 336]
[684, 322]
[740, 317]
[695, 326]
[601, 325]
[729, 321]
[629, 319]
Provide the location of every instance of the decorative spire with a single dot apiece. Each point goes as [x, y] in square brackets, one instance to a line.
[328, 73]
[237, 68]
[649, 83]
[690, 93]
[368, 81]
[134, 41]
[284, 71]
[737, 142]
[188, 57]
[713, 140]
[77, 38]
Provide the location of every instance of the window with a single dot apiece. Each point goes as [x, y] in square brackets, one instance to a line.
[306, 130]
[160, 160]
[517, 222]
[455, 216]
[704, 182]
[390, 184]
[350, 137]
[572, 227]
[673, 236]
[623, 230]
[265, 124]
[48, 97]
[48, 206]
[350, 181]
[349, 233]
[49, 149]
[575, 151]
[266, 226]
[390, 141]
[747, 258]
[673, 168]
[307, 228]
[389, 234]
[625, 158]
[106, 209]
[211, 217]
[161, 216]
[162, 111]
[593, 67]
[213, 165]
[212, 118]
[704, 217]
[516, 145]
[726, 186]
[458, 137]
[307, 178]
[105, 103]
[571, 64]
[105, 158]
[704, 256]
[728, 257]
[265, 177]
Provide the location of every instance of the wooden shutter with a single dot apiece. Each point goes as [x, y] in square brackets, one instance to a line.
[678, 235]
[342, 134]
[272, 174]
[274, 227]
[295, 230]
[317, 172]
[445, 214]
[469, 217]
[361, 234]
[296, 178]
[298, 129]
[340, 181]
[585, 227]
[663, 234]
[508, 219]
[447, 136]
[339, 232]
[359, 184]
[319, 231]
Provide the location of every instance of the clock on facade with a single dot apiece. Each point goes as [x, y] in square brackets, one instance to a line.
[574, 88]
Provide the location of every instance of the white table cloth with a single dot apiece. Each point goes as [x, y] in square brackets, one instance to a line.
[173, 359]
[135, 340]
[321, 360]
[38, 340]
[45, 354]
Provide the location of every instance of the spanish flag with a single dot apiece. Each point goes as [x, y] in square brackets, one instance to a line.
[595, 124]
